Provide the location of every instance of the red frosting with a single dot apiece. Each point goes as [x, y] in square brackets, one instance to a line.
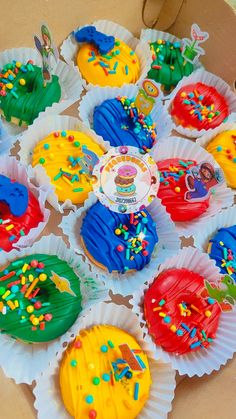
[174, 199]
[199, 106]
[22, 225]
[190, 321]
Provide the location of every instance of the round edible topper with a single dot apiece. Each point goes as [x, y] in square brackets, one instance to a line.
[125, 179]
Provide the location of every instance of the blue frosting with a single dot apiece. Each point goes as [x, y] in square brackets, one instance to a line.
[110, 120]
[15, 195]
[101, 241]
[103, 42]
[226, 250]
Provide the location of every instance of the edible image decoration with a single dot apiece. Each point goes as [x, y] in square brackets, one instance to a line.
[191, 50]
[147, 96]
[125, 179]
[201, 180]
[224, 292]
[47, 50]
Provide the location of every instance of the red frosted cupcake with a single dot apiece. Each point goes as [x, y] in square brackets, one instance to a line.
[179, 319]
[199, 106]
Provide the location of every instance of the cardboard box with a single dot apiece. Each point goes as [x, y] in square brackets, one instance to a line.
[209, 397]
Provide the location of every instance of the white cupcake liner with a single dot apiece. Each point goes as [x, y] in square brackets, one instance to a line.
[47, 391]
[124, 284]
[152, 35]
[227, 218]
[203, 361]
[6, 140]
[210, 79]
[70, 47]
[42, 127]
[98, 95]
[10, 167]
[176, 147]
[71, 86]
[32, 359]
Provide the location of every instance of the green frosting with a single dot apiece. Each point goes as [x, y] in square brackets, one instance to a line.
[55, 310]
[25, 101]
[168, 66]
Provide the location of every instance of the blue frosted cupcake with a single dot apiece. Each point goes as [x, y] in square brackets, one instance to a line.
[119, 122]
[118, 242]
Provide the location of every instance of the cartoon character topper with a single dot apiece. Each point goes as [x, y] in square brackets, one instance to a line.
[224, 291]
[88, 161]
[126, 179]
[147, 96]
[191, 50]
[47, 50]
[200, 180]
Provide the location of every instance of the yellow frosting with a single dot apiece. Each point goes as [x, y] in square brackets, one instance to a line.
[85, 392]
[53, 153]
[121, 60]
[223, 149]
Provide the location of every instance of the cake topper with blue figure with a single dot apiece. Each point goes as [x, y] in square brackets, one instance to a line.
[47, 50]
[200, 180]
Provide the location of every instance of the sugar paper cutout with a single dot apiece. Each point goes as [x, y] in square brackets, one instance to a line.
[62, 284]
[224, 292]
[191, 49]
[47, 50]
[200, 180]
[147, 95]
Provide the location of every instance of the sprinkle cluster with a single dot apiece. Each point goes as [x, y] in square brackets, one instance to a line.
[195, 101]
[228, 152]
[21, 294]
[142, 124]
[8, 226]
[158, 57]
[133, 243]
[228, 260]
[120, 371]
[171, 176]
[8, 83]
[187, 310]
[76, 168]
[103, 60]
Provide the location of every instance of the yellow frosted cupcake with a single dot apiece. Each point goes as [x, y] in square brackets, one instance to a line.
[118, 66]
[104, 374]
[68, 158]
[223, 149]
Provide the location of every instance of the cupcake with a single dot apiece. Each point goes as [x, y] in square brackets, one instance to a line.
[118, 242]
[179, 319]
[184, 320]
[200, 102]
[179, 191]
[23, 214]
[119, 121]
[199, 106]
[106, 54]
[43, 290]
[108, 368]
[222, 249]
[40, 298]
[23, 92]
[222, 147]
[102, 358]
[68, 158]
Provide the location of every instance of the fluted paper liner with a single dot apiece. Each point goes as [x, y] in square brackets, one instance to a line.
[49, 402]
[27, 361]
[226, 218]
[40, 129]
[209, 79]
[125, 284]
[176, 147]
[10, 167]
[70, 46]
[203, 361]
[98, 95]
[71, 86]
[6, 140]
